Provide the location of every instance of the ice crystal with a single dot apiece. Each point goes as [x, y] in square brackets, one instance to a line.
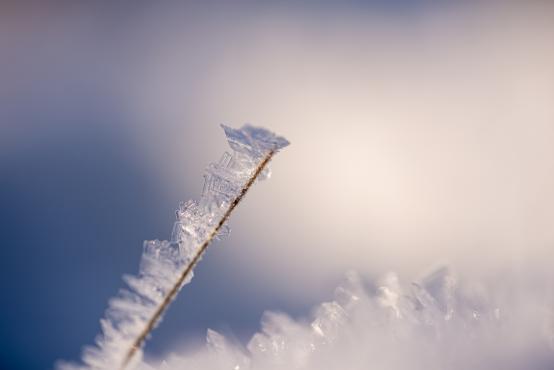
[433, 323]
[135, 311]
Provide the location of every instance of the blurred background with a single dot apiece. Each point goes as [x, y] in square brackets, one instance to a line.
[422, 134]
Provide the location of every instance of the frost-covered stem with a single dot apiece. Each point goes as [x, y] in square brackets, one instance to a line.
[190, 266]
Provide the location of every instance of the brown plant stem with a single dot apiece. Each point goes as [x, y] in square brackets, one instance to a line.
[139, 341]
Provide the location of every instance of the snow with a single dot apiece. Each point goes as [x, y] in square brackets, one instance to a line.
[438, 322]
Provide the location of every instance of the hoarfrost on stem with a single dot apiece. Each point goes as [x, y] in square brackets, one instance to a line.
[135, 311]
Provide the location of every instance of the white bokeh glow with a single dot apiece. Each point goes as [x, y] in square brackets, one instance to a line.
[416, 139]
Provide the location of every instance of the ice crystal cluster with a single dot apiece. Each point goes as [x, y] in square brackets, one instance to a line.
[130, 314]
[435, 324]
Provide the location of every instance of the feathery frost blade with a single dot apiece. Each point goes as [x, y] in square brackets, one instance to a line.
[167, 265]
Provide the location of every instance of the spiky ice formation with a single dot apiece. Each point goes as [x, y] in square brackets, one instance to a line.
[436, 323]
[167, 265]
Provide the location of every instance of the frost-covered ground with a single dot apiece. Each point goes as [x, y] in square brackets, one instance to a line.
[439, 322]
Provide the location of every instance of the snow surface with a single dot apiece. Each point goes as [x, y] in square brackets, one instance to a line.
[437, 323]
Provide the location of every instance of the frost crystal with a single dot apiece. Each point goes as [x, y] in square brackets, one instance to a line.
[135, 311]
[434, 323]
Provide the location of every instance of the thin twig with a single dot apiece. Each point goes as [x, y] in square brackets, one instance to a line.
[137, 344]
